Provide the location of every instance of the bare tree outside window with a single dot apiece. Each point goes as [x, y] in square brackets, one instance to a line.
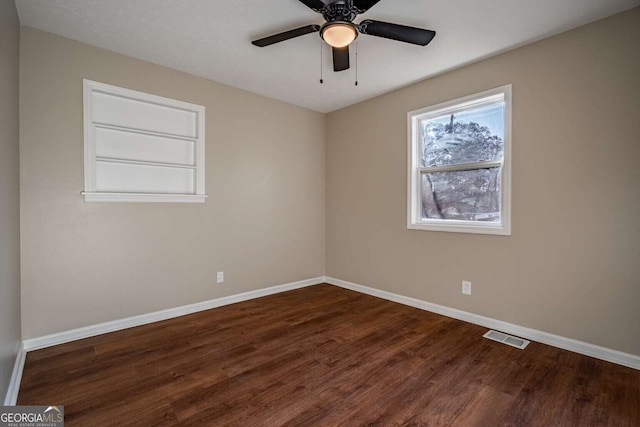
[455, 147]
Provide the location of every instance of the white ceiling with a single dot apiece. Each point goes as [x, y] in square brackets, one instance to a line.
[211, 39]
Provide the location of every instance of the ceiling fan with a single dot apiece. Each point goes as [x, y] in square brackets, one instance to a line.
[339, 30]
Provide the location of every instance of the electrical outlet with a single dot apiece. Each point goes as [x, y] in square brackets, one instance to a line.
[466, 287]
[220, 276]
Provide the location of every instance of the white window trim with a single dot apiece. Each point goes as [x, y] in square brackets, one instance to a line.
[91, 195]
[414, 200]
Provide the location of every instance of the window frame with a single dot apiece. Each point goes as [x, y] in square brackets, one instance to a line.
[415, 169]
[90, 192]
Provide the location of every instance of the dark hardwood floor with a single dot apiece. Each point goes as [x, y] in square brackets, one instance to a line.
[329, 357]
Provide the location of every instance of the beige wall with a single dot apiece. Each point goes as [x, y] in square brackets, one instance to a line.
[86, 263]
[571, 266]
[9, 193]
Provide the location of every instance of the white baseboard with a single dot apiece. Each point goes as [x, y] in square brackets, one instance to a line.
[143, 319]
[16, 376]
[576, 346]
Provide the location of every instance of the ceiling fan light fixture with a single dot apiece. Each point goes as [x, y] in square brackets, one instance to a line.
[338, 34]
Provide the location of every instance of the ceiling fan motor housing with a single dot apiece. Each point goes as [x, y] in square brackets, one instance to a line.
[340, 10]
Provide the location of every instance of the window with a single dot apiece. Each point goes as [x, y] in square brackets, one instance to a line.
[459, 165]
[140, 147]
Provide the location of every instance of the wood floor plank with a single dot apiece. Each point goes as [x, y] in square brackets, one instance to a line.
[324, 356]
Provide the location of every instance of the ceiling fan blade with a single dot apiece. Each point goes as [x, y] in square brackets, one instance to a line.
[277, 38]
[340, 58]
[396, 32]
[315, 5]
[364, 5]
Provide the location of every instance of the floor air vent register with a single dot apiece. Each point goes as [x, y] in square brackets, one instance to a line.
[507, 339]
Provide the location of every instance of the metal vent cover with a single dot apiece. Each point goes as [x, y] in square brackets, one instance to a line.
[507, 339]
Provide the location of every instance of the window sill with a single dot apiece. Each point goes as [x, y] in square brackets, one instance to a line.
[462, 227]
[143, 197]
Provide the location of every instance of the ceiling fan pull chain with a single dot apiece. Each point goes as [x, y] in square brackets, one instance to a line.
[356, 43]
[321, 80]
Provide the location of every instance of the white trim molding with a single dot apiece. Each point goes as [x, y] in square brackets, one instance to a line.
[602, 353]
[143, 319]
[140, 197]
[16, 377]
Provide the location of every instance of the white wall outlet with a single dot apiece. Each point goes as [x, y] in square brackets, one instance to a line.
[466, 287]
[220, 276]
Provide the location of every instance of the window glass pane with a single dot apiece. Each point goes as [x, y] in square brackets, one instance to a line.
[470, 195]
[467, 136]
